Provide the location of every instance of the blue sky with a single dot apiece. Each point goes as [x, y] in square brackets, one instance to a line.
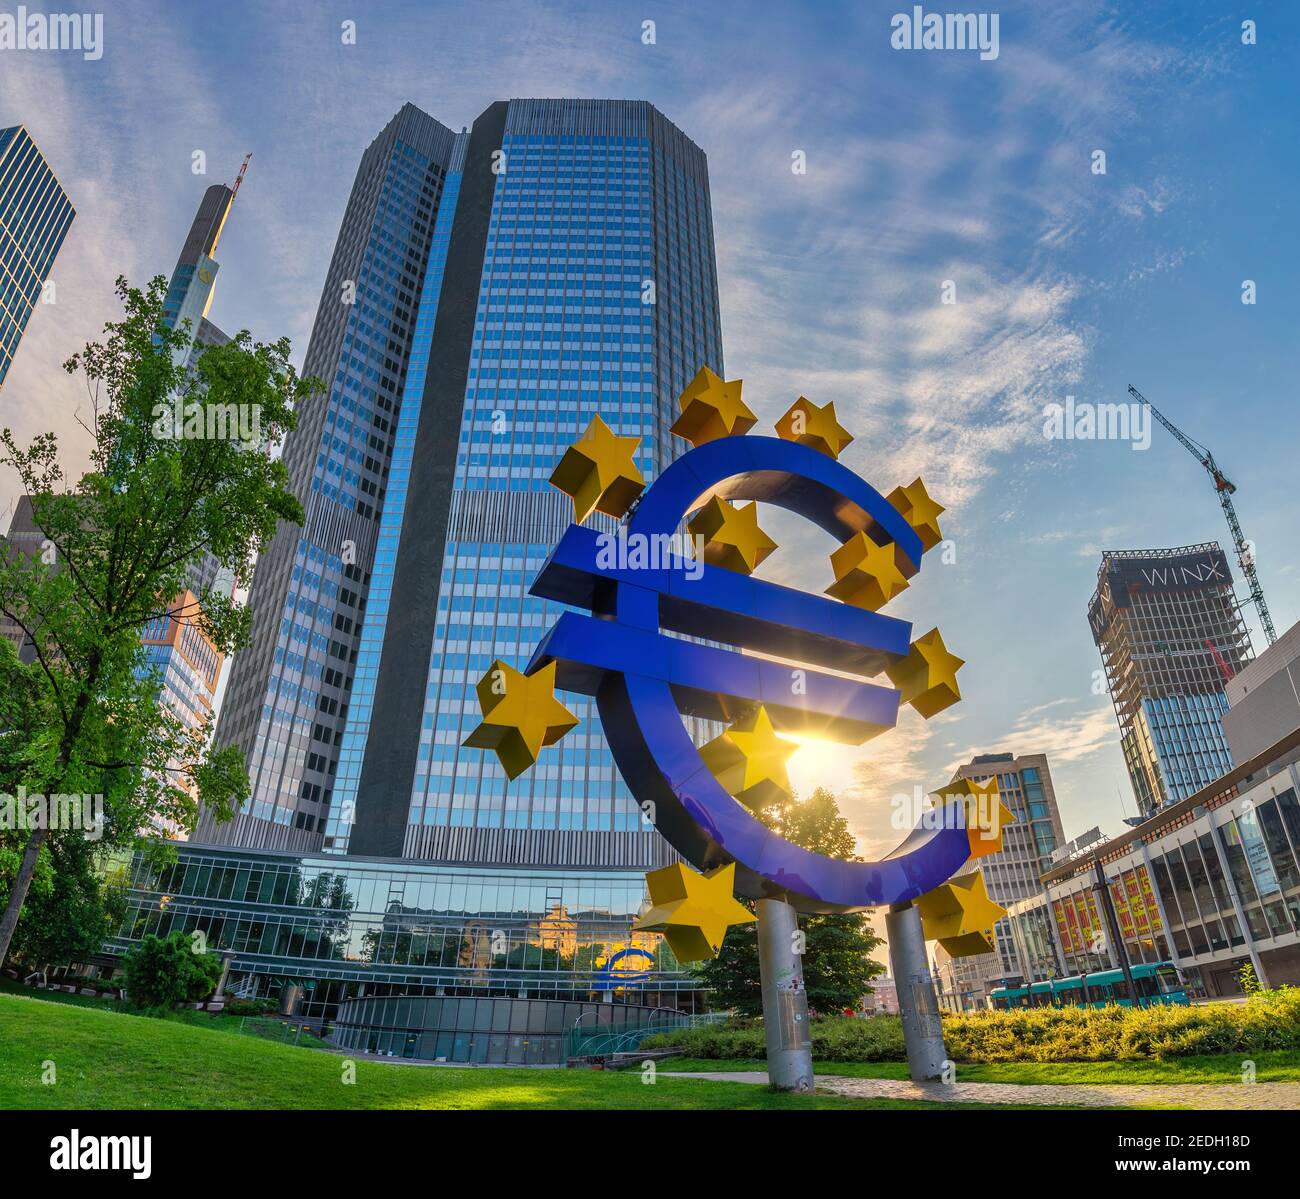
[922, 166]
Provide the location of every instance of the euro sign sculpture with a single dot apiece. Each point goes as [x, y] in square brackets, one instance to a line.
[630, 650]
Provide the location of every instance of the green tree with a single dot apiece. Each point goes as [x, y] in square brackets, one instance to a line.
[837, 966]
[70, 910]
[165, 971]
[83, 718]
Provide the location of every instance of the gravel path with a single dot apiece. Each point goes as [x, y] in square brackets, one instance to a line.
[1206, 1096]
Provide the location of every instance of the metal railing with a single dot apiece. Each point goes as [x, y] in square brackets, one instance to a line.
[586, 1040]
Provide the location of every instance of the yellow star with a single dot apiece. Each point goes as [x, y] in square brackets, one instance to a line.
[693, 911]
[731, 535]
[960, 915]
[986, 815]
[817, 427]
[598, 472]
[920, 511]
[749, 760]
[927, 677]
[712, 408]
[867, 575]
[520, 715]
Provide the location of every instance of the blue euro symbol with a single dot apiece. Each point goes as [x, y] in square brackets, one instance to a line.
[632, 655]
[620, 971]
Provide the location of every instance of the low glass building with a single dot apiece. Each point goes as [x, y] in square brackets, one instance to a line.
[331, 929]
[515, 1032]
[1209, 883]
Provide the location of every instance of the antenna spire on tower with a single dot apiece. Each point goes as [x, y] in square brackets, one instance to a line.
[234, 191]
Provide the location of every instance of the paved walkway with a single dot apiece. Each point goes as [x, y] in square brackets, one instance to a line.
[1202, 1096]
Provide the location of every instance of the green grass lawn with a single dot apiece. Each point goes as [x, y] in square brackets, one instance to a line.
[9, 987]
[109, 1059]
[272, 1028]
[1281, 1065]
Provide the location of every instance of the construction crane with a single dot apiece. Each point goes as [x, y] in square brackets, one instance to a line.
[1224, 488]
[1219, 660]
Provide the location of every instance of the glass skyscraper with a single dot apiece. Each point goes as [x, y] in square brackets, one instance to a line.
[490, 292]
[589, 241]
[35, 214]
[1171, 636]
[186, 305]
[289, 693]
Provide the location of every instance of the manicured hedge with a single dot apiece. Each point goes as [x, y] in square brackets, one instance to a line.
[835, 1039]
[1270, 1020]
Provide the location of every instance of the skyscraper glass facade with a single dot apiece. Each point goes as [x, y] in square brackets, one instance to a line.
[35, 215]
[597, 294]
[562, 333]
[552, 261]
[289, 694]
[339, 927]
[353, 746]
[1170, 635]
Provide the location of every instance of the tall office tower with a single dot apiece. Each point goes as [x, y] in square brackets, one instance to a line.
[562, 256]
[1171, 635]
[194, 279]
[289, 692]
[574, 275]
[562, 253]
[189, 299]
[35, 214]
[1011, 874]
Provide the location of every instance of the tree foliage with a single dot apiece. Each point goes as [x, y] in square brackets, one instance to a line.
[837, 966]
[164, 971]
[83, 717]
[71, 908]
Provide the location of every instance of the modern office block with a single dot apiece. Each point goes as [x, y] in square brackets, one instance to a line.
[577, 279]
[193, 280]
[1264, 699]
[289, 694]
[1210, 883]
[1171, 637]
[35, 214]
[185, 306]
[490, 292]
[552, 261]
[1025, 788]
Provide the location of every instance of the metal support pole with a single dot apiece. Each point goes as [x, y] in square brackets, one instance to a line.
[1225, 870]
[917, 1004]
[785, 1002]
[227, 957]
[1112, 924]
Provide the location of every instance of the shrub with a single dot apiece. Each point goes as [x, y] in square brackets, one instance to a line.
[834, 1038]
[251, 1007]
[161, 973]
[1267, 1020]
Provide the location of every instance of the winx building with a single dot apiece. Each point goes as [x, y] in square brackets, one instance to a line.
[490, 292]
[1171, 637]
